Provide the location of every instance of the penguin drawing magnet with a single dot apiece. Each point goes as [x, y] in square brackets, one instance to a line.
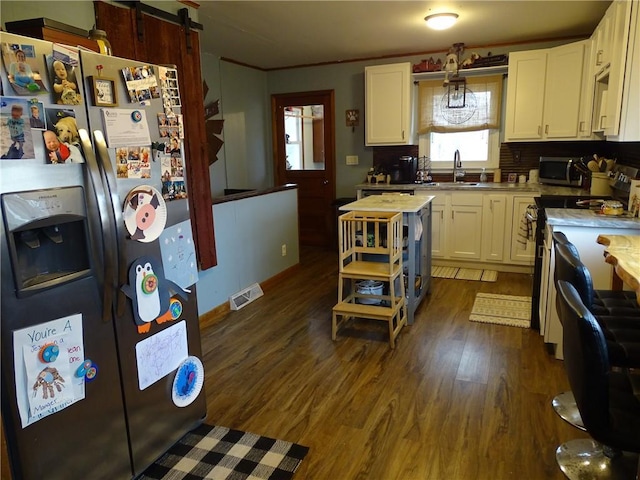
[145, 213]
[149, 291]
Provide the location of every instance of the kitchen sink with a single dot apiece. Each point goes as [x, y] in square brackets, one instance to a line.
[451, 184]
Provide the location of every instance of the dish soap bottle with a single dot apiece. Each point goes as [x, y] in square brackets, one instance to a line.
[483, 176]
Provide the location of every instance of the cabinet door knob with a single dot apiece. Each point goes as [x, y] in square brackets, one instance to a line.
[325, 182]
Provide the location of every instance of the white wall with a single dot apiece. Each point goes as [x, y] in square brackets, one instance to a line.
[247, 111]
[210, 65]
[242, 161]
[249, 237]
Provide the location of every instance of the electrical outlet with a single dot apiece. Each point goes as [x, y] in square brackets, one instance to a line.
[352, 160]
[284, 249]
[516, 156]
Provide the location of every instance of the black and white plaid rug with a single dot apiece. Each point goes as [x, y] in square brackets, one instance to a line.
[219, 453]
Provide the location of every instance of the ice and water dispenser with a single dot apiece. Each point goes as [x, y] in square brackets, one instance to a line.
[47, 237]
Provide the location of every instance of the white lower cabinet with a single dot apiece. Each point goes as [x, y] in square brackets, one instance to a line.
[438, 227]
[494, 213]
[457, 226]
[481, 227]
[550, 326]
[465, 233]
[517, 254]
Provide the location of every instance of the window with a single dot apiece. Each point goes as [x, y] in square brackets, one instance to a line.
[304, 137]
[293, 137]
[470, 124]
[479, 149]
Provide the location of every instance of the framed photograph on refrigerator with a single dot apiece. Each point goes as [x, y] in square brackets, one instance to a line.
[103, 92]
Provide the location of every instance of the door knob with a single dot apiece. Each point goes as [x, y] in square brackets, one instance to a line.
[325, 182]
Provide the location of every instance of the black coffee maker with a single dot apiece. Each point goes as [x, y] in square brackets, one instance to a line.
[403, 170]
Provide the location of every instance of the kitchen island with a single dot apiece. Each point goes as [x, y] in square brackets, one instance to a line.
[623, 252]
[416, 212]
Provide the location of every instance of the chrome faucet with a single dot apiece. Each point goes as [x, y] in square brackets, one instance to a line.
[458, 173]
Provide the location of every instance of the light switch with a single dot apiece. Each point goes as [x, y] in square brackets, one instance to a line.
[352, 160]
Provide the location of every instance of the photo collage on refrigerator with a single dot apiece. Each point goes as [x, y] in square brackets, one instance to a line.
[23, 115]
[46, 94]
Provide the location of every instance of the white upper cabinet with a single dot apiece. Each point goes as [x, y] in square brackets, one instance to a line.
[525, 95]
[563, 90]
[630, 111]
[388, 107]
[616, 83]
[544, 92]
[602, 41]
[585, 114]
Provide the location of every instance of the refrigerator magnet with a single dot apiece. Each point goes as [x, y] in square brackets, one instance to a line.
[81, 371]
[188, 382]
[149, 291]
[91, 374]
[145, 213]
[173, 313]
[48, 353]
[103, 91]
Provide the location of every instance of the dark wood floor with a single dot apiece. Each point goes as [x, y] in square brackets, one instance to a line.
[455, 399]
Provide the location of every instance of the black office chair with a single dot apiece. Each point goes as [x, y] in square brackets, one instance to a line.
[561, 238]
[618, 317]
[601, 302]
[564, 404]
[608, 407]
[622, 328]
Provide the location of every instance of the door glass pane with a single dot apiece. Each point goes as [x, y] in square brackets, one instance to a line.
[304, 137]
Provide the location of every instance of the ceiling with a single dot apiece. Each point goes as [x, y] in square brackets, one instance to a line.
[274, 34]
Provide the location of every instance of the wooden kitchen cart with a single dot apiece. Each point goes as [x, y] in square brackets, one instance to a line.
[371, 250]
[416, 258]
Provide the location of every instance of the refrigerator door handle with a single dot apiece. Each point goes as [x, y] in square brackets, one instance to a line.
[120, 277]
[106, 223]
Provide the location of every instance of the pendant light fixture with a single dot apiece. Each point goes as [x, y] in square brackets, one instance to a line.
[456, 85]
[441, 21]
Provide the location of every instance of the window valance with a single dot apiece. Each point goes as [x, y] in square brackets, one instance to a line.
[483, 98]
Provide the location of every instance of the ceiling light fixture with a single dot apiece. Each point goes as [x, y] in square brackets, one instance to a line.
[441, 21]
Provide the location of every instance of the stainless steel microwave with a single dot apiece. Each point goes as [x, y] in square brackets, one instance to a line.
[559, 171]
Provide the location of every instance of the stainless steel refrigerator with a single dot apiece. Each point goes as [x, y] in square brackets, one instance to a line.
[100, 335]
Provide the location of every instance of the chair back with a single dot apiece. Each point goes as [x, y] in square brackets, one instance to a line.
[586, 360]
[569, 267]
[561, 238]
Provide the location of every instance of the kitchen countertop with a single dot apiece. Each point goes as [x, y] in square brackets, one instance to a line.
[531, 188]
[389, 203]
[623, 252]
[588, 218]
